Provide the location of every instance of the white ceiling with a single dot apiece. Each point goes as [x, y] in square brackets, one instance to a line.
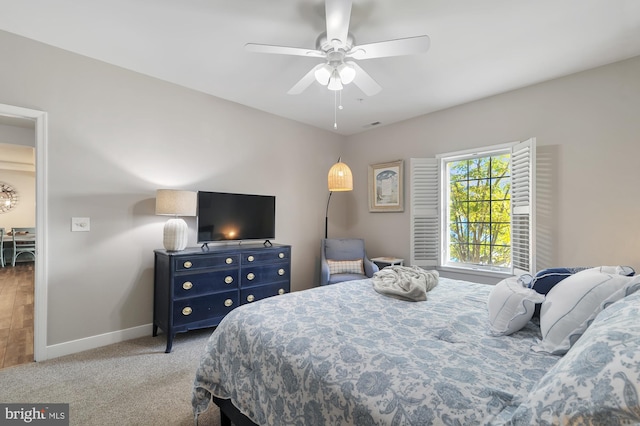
[478, 48]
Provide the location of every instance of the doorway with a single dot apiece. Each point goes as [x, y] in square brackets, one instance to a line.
[10, 113]
[17, 211]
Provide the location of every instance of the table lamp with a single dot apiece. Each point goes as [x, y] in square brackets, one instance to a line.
[175, 203]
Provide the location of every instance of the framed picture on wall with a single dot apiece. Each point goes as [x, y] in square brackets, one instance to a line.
[386, 191]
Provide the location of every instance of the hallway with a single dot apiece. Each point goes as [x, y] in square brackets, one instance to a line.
[16, 314]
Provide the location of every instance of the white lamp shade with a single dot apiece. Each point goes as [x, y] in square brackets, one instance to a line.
[340, 177]
[176, 202]
[323, 73]
[334, 81]
[175, 234]
[347, 73]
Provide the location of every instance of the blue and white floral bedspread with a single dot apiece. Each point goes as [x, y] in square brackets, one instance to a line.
[347, 355]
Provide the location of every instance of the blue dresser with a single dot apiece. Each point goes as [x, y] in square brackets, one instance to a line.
[195, 288]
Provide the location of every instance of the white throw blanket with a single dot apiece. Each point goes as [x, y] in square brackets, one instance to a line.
[409, 283]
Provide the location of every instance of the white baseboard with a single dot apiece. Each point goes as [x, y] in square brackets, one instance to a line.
[74, 346]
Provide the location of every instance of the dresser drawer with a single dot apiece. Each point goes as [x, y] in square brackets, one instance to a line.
[264, 274]
[189, 285]
[196, 309]
[200, 262]
[266, 255]
[253, 294]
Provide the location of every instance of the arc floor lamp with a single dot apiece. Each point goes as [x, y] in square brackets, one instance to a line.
[339, 179]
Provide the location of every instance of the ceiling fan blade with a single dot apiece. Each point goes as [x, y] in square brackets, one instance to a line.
[338, 15]
[383, 49]
[364, 81]
[304, 82]
[283, 50]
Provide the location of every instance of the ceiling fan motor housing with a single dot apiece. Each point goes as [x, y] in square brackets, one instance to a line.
[326, 45]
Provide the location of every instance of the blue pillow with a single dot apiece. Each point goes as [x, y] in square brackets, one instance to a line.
[544, 280]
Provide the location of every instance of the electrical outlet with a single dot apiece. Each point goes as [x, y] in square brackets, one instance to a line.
[80, 224]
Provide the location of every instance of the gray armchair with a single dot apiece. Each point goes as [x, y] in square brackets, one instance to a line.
[339, 251]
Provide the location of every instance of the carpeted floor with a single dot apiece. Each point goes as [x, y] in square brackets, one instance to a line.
[128, 383]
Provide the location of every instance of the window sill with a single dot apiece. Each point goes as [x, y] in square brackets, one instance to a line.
[471, 274]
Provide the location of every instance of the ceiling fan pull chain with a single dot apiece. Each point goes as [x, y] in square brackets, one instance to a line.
[340, 103]
[335, 109]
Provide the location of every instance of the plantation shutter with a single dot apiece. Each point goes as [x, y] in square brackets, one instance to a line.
[522, 207]
[425, 208]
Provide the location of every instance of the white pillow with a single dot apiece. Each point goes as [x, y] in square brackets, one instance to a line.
[346, 266]
[510, 306]
[571, 305]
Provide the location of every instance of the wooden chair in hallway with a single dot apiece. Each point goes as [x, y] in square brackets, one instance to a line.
[24, 241]
[2, 247]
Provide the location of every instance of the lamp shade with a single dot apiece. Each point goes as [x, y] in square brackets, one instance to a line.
[334, 81]
[340, 177]
[323, 74]
[347, 73]
[176, 202]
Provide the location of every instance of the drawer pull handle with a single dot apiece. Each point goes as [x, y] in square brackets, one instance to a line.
[187, 311]
[187, 264]
[251, 258]
[281, 255]
[281, 291]
[187, 285]
[251, 276]
[228, 279]
[229, 260]
[281, 271]
[251, 298]
[228, 302]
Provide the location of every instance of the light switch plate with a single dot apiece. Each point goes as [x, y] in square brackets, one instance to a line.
[80, 224]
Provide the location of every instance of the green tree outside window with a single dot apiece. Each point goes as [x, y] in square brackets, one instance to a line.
[480, 211]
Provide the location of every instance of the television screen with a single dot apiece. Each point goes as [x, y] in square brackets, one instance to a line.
[224, 216]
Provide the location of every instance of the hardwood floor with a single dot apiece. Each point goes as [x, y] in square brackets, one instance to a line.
[16, 314]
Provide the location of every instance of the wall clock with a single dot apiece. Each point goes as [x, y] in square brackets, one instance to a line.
[8, 197]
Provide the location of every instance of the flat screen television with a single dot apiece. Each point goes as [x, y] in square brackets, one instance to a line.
[223, 216]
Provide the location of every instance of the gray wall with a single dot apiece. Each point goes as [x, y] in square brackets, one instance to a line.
[12, 133]
[587, 127]
[114, 138]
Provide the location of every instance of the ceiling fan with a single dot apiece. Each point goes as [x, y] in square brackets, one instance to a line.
[337, 46]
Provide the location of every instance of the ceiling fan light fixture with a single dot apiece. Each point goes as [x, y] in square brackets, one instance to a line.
[334, 81]
[323, 74]
[347, 73]
[338, 48]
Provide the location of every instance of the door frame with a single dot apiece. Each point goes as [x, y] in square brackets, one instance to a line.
[40, 265]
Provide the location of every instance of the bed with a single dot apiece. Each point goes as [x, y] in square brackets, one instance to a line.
[348, 355]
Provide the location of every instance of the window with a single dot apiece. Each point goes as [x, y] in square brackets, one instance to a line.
[477, 205]
[474, 210]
